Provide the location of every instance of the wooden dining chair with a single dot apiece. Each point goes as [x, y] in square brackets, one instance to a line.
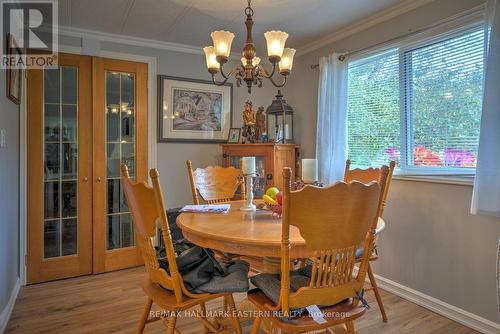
[215, 184]
[334, 221]
[366, 176]
[165, 289]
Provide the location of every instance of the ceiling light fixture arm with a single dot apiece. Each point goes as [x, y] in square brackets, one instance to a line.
[236, 70]
[262, 72]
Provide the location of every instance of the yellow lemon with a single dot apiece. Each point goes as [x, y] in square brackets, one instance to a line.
[269, 200]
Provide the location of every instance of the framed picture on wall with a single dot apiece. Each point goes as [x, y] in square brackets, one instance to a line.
[14, 75]
[191, 110]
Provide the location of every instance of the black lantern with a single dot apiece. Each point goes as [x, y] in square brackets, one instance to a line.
[279, 120]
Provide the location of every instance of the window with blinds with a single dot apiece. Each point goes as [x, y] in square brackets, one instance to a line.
[373, 109]
[419, 105]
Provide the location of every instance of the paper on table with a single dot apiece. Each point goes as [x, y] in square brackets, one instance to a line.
[207, 208]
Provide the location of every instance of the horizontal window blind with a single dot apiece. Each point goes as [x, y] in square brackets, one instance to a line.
[373, 133]
[443, 101]
[436, 127]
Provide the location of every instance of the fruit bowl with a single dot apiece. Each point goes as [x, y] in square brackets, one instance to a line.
[273, 200]
[276, 209]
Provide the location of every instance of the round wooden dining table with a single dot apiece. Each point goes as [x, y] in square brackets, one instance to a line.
[253, 234]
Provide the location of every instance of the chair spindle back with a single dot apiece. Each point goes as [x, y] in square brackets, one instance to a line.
[147, 207]
[334, 221]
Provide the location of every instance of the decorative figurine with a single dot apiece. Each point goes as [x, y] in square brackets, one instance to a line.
[249, 121]
[248, 114]
[260, 121]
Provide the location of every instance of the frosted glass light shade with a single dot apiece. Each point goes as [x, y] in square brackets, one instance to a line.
[255, 61]
[211, 58]
[275, 42]
[286, 61]
[222, 42]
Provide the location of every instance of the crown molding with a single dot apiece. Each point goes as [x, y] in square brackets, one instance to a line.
[136, 41]
[129, 40]
[363, 24]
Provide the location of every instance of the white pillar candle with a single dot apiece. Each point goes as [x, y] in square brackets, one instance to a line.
[309, 170]
[287, 132]
[248, 165]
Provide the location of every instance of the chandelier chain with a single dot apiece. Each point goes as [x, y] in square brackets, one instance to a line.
[249, 10]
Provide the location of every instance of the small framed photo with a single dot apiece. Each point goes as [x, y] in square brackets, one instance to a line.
[14, 75]
[234, 136]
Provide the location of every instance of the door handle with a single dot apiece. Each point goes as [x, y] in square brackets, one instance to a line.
[98, 179]
[85, 179]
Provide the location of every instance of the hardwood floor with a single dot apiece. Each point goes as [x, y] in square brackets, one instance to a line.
[112, 303]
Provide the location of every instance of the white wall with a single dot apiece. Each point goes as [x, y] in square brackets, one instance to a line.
[9, 195]
[432, 244]
[172, 156]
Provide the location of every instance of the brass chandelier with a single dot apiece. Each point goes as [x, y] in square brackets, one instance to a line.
[250, 70]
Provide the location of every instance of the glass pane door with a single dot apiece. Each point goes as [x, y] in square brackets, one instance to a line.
[85, 118]
[120, 137]
[60, 160]
[59, 175]
[120, 148]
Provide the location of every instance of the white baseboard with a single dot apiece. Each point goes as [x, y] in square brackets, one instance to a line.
[449, 311]
[7, 311]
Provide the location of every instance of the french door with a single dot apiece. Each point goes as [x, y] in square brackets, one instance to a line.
[120, 136]
[84, 119]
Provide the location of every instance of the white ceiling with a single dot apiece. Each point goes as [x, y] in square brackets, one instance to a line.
[191, 21]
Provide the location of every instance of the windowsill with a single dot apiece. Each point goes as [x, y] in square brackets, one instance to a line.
[463, 180]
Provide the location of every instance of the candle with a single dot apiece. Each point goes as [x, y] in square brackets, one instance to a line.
[309, 170]
[248, 165]
[287, 132]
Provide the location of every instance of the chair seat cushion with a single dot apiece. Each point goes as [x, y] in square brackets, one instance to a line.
[270, 284]
[359, 253]
[202, 273]
[235, 280]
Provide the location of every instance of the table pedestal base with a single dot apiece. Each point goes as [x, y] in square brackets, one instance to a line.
[271, 265]
[268, 265]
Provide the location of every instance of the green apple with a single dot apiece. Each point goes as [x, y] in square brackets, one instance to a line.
[272, 192]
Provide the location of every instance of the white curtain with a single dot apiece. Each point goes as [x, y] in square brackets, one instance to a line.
[486, 194]
[331, 133]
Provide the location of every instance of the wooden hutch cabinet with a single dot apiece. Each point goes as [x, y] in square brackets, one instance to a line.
[270, 159]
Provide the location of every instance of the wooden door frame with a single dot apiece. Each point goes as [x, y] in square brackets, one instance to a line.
[23, 170]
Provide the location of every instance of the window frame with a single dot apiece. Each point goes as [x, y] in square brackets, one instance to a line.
[441, 33]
